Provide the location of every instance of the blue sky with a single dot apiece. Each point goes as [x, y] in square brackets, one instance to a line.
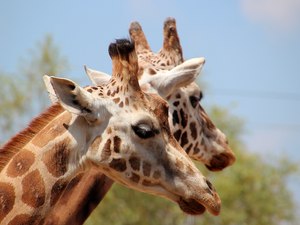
[252, 51]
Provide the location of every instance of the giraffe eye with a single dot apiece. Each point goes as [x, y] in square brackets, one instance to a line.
[144, 131]
[196, 99]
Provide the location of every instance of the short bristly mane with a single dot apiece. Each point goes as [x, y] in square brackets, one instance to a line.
[23, 137]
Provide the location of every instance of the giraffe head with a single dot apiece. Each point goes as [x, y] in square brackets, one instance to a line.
[134, 145]
[190, 124]
[168, 75]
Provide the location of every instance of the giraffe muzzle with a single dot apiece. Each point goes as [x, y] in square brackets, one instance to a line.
[191, 207]
[221, 161]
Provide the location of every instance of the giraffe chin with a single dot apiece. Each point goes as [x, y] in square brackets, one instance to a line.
[191, 206]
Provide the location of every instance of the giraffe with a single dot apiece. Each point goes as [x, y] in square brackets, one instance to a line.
[115, 127]
[160, 66]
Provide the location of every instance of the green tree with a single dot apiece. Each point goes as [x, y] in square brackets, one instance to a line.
[23, 95]
[12, 101]
[252, 191]
[45, 59]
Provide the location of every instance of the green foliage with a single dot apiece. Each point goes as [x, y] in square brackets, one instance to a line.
[252, 191]
[23, 95]
[11, 104]
[45, 59]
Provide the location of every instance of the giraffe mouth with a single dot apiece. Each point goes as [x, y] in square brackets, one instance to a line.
[191, 206]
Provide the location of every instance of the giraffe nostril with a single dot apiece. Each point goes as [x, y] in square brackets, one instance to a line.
[211, 188]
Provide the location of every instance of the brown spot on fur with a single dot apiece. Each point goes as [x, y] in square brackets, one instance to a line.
[121, 104]
[184, 139]
[113, 94]
[116, 100]
[33, 189]
[146, 168]
[178, 95]
[188, 149]
[135, 178]
[95, 88]
[118, 165]
[193, 129]
[25, 219]
[113, 82]
[90, 90]
[20, 164]
[156, 174]
[177, 134]
[106, 152]
[117, 144]
[126, 101]
[108, 93]
[175, 118]
[7, 199]
[151, 71]
[176, 103]
[184, 118]
[23, 137]
[56, 159]
[135, 163]
[54, 129]
[57, 190]
[196, 149]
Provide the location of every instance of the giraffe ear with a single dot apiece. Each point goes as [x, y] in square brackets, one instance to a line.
[97, 77]
[75, 99]
[179, 76]
[50, 89]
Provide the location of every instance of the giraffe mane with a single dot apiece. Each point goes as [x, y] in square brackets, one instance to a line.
[8, 150]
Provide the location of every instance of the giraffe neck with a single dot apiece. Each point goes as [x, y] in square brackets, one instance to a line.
[35, 176]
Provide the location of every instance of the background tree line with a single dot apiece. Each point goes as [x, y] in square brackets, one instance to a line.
[253, 191]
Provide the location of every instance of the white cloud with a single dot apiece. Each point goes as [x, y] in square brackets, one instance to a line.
[280, 15]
